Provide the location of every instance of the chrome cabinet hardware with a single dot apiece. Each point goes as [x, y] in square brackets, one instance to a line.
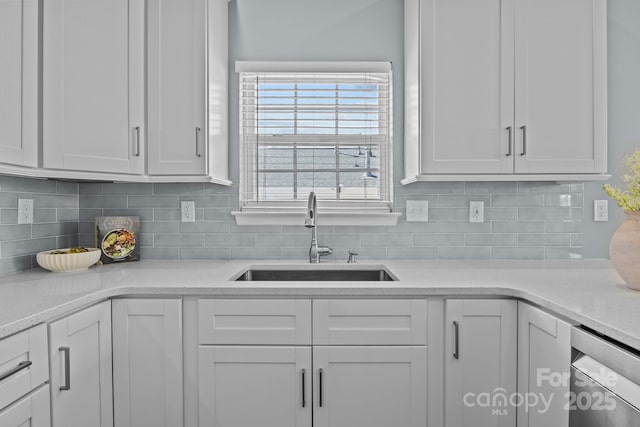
[137, 152]
[67, 368]
[320, 387]
[13, 371]
[510, 142]
[456, 342]
[524, 140]
[304, 398]
[197, 134]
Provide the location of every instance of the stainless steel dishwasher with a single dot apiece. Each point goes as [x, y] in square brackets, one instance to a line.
[605, 382]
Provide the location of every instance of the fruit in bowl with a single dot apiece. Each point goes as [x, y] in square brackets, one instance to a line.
[68, 259]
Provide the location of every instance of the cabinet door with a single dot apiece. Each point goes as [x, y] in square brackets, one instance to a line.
[370, 386]
[466, 80]
[93, 82]
[255, 386]
[544, 358]
[176, 55]
[561, 86]
[19, 82]
[80, 355]
[147, 363]
[480, 362]
[32, 411]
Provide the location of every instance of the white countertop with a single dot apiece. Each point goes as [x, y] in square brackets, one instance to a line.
[586, 292]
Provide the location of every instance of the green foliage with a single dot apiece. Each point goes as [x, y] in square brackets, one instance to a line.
[628, 200]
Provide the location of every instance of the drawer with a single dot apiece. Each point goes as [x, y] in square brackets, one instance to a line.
[23, 364]
[33, 410]
[369, 322]
[254, 321]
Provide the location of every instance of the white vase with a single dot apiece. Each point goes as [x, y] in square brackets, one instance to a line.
[624, 250]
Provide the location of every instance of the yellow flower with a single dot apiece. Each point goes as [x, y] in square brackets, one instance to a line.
[628, 200]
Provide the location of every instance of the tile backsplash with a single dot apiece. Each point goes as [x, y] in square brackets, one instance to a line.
[523, 220]
[55, 220]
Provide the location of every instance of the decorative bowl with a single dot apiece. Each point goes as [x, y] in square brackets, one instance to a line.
[53, 260]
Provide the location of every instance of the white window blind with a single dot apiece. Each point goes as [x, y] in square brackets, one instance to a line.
[323, 127]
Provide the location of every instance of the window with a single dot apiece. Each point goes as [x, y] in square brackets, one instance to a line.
[323, 127]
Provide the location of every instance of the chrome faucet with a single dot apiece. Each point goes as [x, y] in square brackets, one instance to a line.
[315, 251]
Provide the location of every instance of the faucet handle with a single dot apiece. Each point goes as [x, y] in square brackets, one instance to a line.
[352, 257]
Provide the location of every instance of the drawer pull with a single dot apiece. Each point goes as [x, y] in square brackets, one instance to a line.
[67, 368]
[10, 372]
[304, 398]
[320, 387]
[456, 342]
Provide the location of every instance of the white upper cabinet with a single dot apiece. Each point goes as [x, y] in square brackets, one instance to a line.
[93, 74]
[506, 88]
[176, 81]
[19, 82]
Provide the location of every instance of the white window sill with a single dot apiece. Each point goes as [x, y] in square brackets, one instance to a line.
[296, 217]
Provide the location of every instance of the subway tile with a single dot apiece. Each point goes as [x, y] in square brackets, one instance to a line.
[296, 229]
[387, 239]
[414, 227]
[153, 201]
[205, 253]
[212, 201]
[87, 227]
[67, 241]
[181, 189]
[517, 253]
[144, 239]
[401, 200]
[449, 252]
[23, 247]
[89, 214]
[355, 229]
[28, 185]
[563, 253]
[90, 189]
[160, 253]
[145, 214]
[437, 188]
[551, 213]
[10, 200]
[160, 227]
[518, 227]
[175, 214]
[64, 214]
[568, 226]
[203, 227]
[87, 239]
[230, 240]
[173, 239]
[15, 232]
[350, 241]
[54, 229]
[126, 188]
[235, 228]
[210, 188]
[49, 214]
[563, 199]
[490, 187]
[218, 214]
[412, 253]
[446, 201]
[284, 240]
[577, 188]
[491, 214]
[41, 201]
[433, 239]
[576, 239]
[9, 216]
[486, 239]
[544, 239]
[294, 253]
[543, 187]
[100, 202]
[448, 214]
[15, 264]
[255, 253]
[366, 253]
[464, 227]
[517, 200]
[66, 187]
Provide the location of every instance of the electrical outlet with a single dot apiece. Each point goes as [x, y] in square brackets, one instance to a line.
[25, 211]
[601, 210]
[188, 211]
[417, 210]
[476, 211]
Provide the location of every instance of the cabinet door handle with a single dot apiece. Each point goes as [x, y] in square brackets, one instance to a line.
[510, 143]
[13, 371]
[320, 387]
[137, 152]
[197, 149]
[524, 140]
[304, 386]
[456, 342]
[67, 368]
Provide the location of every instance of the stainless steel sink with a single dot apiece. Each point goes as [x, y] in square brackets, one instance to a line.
[289, 274]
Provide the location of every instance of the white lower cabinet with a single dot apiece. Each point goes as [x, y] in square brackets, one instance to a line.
[147, 363]
[32, 411]
[80, 359]
[480, 363]
[544, 358]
